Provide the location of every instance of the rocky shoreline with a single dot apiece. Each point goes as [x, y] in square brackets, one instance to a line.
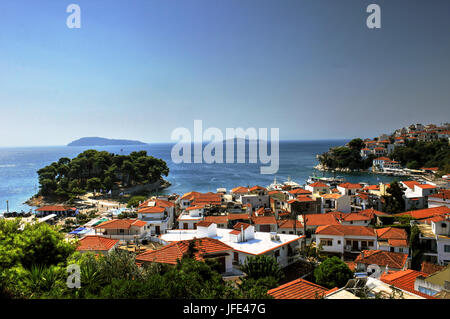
[324, 168]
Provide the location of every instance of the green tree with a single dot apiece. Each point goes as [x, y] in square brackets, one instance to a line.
[394, 202]
[332, 272]
[262, 266]
[135, 200]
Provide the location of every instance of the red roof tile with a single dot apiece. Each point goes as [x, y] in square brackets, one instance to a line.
[345, 230]
[171, 253]
[405, 279]
[121, 224]
[264, 220]
[95, 243]
[427, 212]
[391, 233]
[382, 258]
[298, 289]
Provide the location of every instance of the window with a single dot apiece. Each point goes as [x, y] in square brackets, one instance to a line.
[444, 225]
[121, 231]
[447, 248]
[277, 253]
[400, 250]
[339, 242]
[370, 243]
[348, 242]
[326, 242]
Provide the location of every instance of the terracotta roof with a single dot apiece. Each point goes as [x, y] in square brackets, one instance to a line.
[382, 159]
[289, 223]
[305, 198]
[238, 226]
[55, 208]
[345, 230]
[171, 253]
[334, 196]
[382, 258]
[351, 265]
[427, 212]
[93, 243]
[243, 216]
[350, 186]
[372, 212]
[257, 187]
[411, 184]
[204, 223]
[430, 268]
[240, 189]
[157, 203]
[235, 232]
[195, 207]
[318, 184]
[264, 220]
[121, 224]
[354, 217]
[372, 187]
[391, 233]
[216, 219]
[299, 191]
[405, 279]
[443, 194]
[321, 219]
[298, 289]
[151, 210]
[203, 198]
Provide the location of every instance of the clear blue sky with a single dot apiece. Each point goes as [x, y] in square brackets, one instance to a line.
[139, 69]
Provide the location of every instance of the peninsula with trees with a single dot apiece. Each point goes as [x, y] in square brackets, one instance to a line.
[408, 150]
[94, 170]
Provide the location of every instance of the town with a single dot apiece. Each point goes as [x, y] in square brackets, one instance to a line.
[348, 221]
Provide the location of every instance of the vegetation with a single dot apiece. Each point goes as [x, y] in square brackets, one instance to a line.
[332, 272]
[346, 157]
[95, 170]
[393, 201]
[416, 248]
[34, 260]
[416, 154]
[135, 200]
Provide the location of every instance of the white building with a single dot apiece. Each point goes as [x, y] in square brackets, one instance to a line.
[245, 242]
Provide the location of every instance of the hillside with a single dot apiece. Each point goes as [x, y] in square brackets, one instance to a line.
[100, 141]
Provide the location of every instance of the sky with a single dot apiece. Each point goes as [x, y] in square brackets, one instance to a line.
[139, 69]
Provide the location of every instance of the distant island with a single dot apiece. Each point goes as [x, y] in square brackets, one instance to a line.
[100, 141]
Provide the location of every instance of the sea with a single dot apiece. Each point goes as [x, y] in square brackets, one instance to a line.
[19, 180]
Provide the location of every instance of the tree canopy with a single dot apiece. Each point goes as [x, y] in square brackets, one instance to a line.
[95, 170]
[332, 272]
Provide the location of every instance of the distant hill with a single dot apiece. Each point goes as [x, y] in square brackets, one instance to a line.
[100, 141]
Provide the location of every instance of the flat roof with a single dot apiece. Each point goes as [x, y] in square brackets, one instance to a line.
[260, 244]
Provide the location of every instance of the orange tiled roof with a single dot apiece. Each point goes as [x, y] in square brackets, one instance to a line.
[426, 186]
[318, 184]
[382, 158]
[430, 268]
[240, 190]
[55, 208]
[243, 216]
[427, 212]
[411, 184]
[216, 219]
[289, 223]
[204, 223]
[382, 258]
[158, 203]
[321, 219]
[345, 230]
[391, 233]
[257, 187]
[121, 224]
[350, 185]
[238, 226]
[398, 242]
[372, 212]
[443, 194]
[404, 279]
[300, 191]
[354, 217]
[264, 220]
[151, 210]
[171, 253]
[298, 289]
[92, 243]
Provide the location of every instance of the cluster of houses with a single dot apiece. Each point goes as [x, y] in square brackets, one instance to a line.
[383, 146]
[344, 221]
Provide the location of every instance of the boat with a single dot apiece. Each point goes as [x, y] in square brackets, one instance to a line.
[291, 183]
[275, 186]
[332, 181]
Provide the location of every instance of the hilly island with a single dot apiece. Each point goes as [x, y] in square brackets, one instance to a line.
[100, 141]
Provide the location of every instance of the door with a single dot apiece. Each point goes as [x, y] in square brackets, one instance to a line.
[157, 230]
[264, 228]
[355, 245]
[185, 226]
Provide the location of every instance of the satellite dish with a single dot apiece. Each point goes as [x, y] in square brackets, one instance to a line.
[374, 271]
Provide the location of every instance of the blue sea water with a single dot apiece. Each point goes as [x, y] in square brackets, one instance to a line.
[19, 180]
